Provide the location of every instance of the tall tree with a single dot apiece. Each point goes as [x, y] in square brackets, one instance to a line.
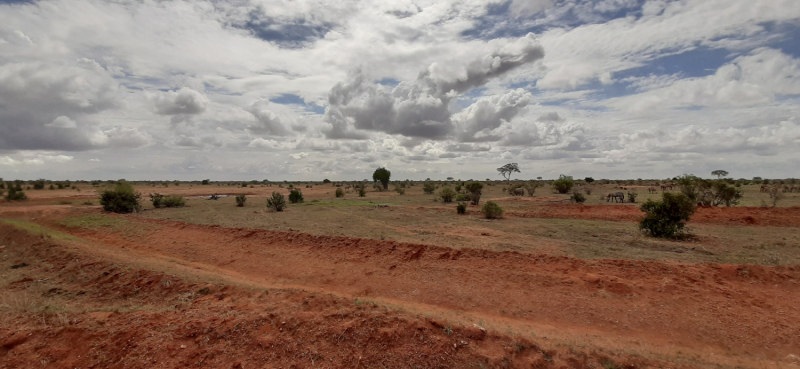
[719, 173]
[508, 169]
[382, 174]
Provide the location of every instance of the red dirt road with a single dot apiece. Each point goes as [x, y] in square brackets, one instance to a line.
[733, 315]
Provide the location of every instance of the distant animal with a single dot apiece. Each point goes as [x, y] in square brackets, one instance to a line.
[652, 190]
[764, 188]
[213, 197]
[519, 191]
[617, 196]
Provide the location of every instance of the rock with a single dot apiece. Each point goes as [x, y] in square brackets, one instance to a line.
[475, 332]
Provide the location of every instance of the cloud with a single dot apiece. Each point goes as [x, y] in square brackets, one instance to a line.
[35, 160]
[183, 101]
[420, 108]
[477, 122]
[40, 104]
[267, 122]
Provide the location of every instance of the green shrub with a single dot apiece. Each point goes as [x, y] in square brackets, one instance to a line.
[240, 200]
[295, 196]
[666, 218]
[38, 184]
[277, 202]
[173, 201]
[632, 195]
[205, 182]
[244, 184]
[400, 190]
[463, 197]
[563, 184]
[461, 208]
[447, 194]
[156, 199]
[458, 188]
[362, 190]
[326, 180]
[475, 189]
[577, 197]
[491, 210]
[52, 187]
[15, 195]
[121, 199]
[428, 188]
[339, 192]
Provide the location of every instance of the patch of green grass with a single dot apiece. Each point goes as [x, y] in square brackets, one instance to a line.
[37, 229]
[92, 221]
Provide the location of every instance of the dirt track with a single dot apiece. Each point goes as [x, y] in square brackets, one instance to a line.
[741, 314]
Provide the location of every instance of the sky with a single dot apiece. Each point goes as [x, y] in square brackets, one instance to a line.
[314, 89]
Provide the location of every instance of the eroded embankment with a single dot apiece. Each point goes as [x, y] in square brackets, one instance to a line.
[744, 312]
[62, 307]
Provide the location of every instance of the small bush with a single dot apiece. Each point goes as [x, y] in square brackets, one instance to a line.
[52, 187]
[295, 196]
[15, 195]
[244, 184]
[339, 192]
[240, 200]
[362, 192]
[447, 194]
[326, 180]
[173, 201]
[491, 210]
[458, 188]
[461, 208]
[88, 202]
[156, 199]
[400, 190]
[475, 189]
[205, 182]
[563, 184]
[632, 195]
[428, 188]
[463, 197]
[577, 197]
[666, 218]
[277, 202]
[121, 199]
[38, 184]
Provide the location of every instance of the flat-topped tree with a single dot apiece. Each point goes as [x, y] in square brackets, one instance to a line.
[382, 174]
[508, 169]
[719, 173]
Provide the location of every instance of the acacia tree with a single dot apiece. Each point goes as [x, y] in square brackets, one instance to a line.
[382, 174]
[719, 173]
[507, 170]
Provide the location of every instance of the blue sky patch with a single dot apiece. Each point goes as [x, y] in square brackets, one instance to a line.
[291, 99]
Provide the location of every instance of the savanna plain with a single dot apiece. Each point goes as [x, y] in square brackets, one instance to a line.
[396, 278]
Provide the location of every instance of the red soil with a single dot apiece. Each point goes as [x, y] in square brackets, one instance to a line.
[774, 217]
[730, 314]
[177, 324]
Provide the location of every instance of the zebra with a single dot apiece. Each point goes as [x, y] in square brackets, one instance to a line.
[617, 196]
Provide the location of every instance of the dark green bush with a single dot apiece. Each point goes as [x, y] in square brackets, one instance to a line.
[447, 194]
[244, 184]
[461, 208]
[632, 195]
[326, 180]
[240, 200]
[156, 199]
[475, 189]
[15, 195]
[295, 196]
[277, 202]
[121, 199]
[577, 197]
[491, 210]
[205, 182]
[463, 197]
[339, 192]
[666, 218]
[400, 190]
[362, 190]
[428, 188]
[563, 184]
[38, 184]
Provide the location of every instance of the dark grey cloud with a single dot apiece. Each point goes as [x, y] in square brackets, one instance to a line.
[420, 108]
[44, 106]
